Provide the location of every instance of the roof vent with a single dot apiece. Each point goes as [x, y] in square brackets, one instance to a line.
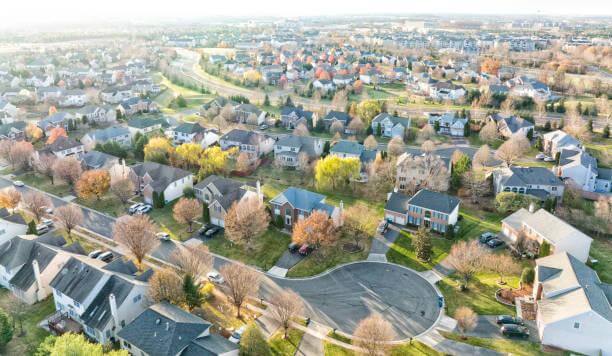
[157, 321]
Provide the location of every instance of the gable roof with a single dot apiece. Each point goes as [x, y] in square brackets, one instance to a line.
[394, 119]
[77, 279]
[302, 143]
[163, 329]
[346, 146]
[337, 115]
[161, 174]
[63, 143]
[189, 128]
[17, 126]
[108, 133]
[244, 137]
[97, 159]
[303, 199]
[99, 313]
[143, 123]
[397, 202]
[428, 199]
[570, 158]
[523, 176]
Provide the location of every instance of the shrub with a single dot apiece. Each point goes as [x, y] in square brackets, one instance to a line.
[528, 275]
[6, 328]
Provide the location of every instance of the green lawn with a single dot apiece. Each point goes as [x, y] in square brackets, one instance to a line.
[480, 296]
[415, 349]
[401, 252]
[601, 249]
[27, 344]
[266, 251]
[475, 222]
[43, 183]
[285, 347]
[108, 204]
[475, 141]
[164, 218]
[506, 346]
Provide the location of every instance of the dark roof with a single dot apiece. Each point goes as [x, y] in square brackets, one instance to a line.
[161, 174]
[397, 202]
[76, 279]
[121, 265]
[96, 159]
[7, 128]
[63, 143]
[163, 329]
[243, 136]
[338, 115]
[212, 344]
[14, 218]
[303, 199]
[99, 313]
[532, 175]
[428, 199]
[189, 128]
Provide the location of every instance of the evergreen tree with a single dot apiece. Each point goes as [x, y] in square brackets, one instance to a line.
[530, 134]
[193, 296]
[590, 125]
[6, 328]
[253, 343]
[606, 131]
[466, 128]
[547, 126]
[31, 228]
[378, 129]
[266, 101]
[421, 242]
[289, 102]
[205, 215]
[326, 148]
[437, 126]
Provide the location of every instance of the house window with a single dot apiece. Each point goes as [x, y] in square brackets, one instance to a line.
[576, 325]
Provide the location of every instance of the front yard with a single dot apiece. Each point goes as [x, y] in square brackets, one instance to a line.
[285, 347]
[402, 252]
[34, 335]
[165, 219]
[43, 183]
[601, 250]
[505, 346]
[108, 204]
[416, 348]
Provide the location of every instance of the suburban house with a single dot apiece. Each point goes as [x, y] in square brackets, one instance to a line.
[324, 85]
[164, 329]
[448, 123]
[220, 193]
[151, 178]
[435, 210]
[118, 134]
[59, 119]
[537, 181]
[146, 125]
[28, 263]
[573, 306]
[510, 125]
[555, 141]
[135, 105]
[446, 91]
[249, 114]
[65, 146]
[210, 137]
[13, 131]
[414, 170]
[102, 298]
[11, 225]
[530, 87]
[294, 204]
[251, 142]
[390, 126]
[291, 117]
[98, 160]
[334, 116]
[581, 168]
[543, 226]
[97, 113]
[288, 149]
[218, 103]
[186, 132]
[115, 95]
[72, 98]
[353, 149]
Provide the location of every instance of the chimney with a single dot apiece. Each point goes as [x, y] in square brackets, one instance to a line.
[531, 208]
[113, 307]
[39, 284]
[259, 193]
[167, 326]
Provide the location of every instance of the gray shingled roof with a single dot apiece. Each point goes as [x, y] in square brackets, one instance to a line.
[212, 344]
[162, 174]
[163, 329]
[243, 136]
[531, 175]
[63, 143]
[397, 202]
[431, 200]
[189, 128]
[76, 279]
[96, 159]
[103, 135]
[99, 313]
[303, 200]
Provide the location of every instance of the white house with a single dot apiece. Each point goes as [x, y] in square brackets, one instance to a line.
[391, 126]
[543, 226]
[581, 168]
[553, 142]
[11, 225]
[573, 306]
[118, 134]
[251, 142]
[436, 211]
[151, 178]
[210, 137]
[65, 147]
[448, 123]
[76, 97]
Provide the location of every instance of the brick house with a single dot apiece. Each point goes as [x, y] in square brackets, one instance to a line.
[295, 204]
[436, 210]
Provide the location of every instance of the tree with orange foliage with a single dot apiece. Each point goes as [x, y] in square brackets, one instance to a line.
[317, 230]
[33, 132]
[10, 198]
[56, 133]
[94, 183]
[186, 211]
[52, 110]
[490, 66]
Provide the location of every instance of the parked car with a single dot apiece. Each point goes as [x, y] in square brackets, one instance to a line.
[540, 156]
[146, 208]
[294, 247]
[106, 256]
[212, 231]
[45, 221]
[513, 330]
[305, 250]
[163, 236]
[18, 183]
[215, 277]
[204, 228]
[549, 159]
[95, 254]
[132, 209]
[508, 319]
[263, 127]
[495, 243]
[237, 335]
[41, 229]
[486, 237]
[48, 210]
[382, 227]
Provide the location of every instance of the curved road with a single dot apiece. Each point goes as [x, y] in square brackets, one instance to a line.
[338, 298]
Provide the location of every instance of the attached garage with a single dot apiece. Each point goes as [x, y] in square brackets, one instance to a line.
[395, 218]
[217, 221]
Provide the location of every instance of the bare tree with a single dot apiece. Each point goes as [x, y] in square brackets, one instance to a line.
[502, 265]
[373, 335]
[337, 127]
[67, 169]
[137, 233]
[482, 156]
[241, 282]
[220, 122]
[166, 286]
[603, 212]
[227, 112]
[512, 149]
[466, 320]
[285, 306]
[467, 258]
[356, 125]
[195, 261]
[301, 130]
[428, 147]
[246, 220]
[476, 181]
[69, 216]
[44, 165]
[123, 189]
[37, 203]
[243, 162]
[186, 211]
[370, 143]
[488, 133]
[395, 147]
[426, 133]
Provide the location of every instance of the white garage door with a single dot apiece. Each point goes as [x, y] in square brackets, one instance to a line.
[217, 221]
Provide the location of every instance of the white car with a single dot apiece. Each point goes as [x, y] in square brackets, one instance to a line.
[48, 210]
[237, 335]
[540, 156]
[163, 236]
[18, 183]
[215, 277]
[549, 159]
[46, 222]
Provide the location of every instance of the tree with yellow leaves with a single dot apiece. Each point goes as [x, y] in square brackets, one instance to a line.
[94, 183]
[33, 132]
[214, 160]
[158, 150]
[189, 154]
[334, 172]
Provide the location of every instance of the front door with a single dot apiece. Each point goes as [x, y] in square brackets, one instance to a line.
[287, 220]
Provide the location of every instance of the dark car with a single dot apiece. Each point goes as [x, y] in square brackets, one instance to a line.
[495, 243]
[513, 330]
[212, 231]
[203, 229]
[293, 247]
[508, 319]
[486, 237]
[305, 250]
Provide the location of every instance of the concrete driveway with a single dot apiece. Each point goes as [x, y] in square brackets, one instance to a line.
[488, 328]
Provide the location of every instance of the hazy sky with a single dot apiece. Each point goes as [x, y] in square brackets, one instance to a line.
[16, 12]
